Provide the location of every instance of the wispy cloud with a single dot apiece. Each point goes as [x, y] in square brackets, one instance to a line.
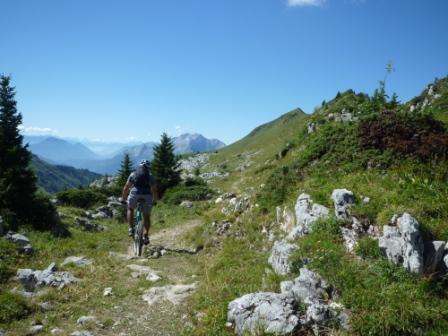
[34, 130]
[302, 3]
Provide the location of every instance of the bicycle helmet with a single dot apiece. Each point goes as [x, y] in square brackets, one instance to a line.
[145, 163]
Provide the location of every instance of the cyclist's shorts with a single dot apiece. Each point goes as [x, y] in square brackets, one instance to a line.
[145, 199]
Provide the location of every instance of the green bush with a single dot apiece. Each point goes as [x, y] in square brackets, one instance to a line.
[43, 214]
[183, 192]
[12, 307]
[82, 198]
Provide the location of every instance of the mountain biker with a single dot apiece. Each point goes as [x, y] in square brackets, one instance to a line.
[140, 187]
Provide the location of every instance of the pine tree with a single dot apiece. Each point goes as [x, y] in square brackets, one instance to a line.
[165, 165]
[126, 169]
[17, 180]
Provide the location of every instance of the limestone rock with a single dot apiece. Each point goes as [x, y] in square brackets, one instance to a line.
[307, 213]
[21, 240]
[172, 293]
[82, 333]
[266, 312]
[107, 291]
[148, 272]
[279, 258]
[36, 329]
[307, 286]
[85, 320]
[49, 277]
[285, 219]
[186, 204]
[343, 199]
[402, 244]
[350, 238]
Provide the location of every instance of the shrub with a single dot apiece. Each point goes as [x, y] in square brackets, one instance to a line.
[412, 134]
[183, 192]
[12, 307]
[82, 198]
[43, 215]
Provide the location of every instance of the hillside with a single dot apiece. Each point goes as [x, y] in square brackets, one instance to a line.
[54, 178]
[330, 223]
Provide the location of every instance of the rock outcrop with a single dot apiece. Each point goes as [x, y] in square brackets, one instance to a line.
[402, 243]
[276, 313]
[49, 277]
[266, 312]
[279, 258]
[307, 213]
[343, 200]
[21, 240]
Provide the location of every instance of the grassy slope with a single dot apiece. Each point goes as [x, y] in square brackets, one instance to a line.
[54, 178]
[383, 298]
[258, 151]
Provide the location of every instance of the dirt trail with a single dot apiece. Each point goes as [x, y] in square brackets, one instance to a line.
[179, 275]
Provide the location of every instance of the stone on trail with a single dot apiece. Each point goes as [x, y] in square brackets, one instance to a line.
[279, 258]
[107, 291]
[402, 243]
[77, 261]
[57, 331]
[172, 293]
[140, 270]
[266, 312]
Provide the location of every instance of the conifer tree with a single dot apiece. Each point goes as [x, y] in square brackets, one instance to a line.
[126, 169]
[165, 165]
[17, 180]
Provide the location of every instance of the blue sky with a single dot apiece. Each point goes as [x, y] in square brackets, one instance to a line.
[116, 70]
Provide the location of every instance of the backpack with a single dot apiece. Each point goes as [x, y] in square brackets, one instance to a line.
[141, 178]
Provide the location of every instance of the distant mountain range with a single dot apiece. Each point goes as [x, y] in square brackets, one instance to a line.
[80, 155]
[54, 178]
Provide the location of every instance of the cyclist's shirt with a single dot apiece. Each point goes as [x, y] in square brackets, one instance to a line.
[141, 190]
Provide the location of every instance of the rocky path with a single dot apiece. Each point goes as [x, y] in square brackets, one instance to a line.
[153, 292]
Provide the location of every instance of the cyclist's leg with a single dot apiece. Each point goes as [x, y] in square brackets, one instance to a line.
[146, 221]
[132, 203]
[147, 214]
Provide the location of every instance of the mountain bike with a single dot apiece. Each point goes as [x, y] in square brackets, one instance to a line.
[138, 230]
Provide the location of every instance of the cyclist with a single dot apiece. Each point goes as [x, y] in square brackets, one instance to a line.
[140, 187]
